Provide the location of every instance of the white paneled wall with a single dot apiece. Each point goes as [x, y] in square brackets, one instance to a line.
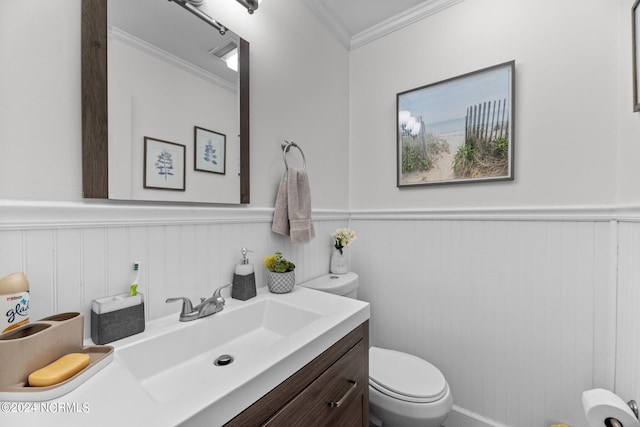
[521, 311]
[628, 320]
[70, 265]
[518, 315]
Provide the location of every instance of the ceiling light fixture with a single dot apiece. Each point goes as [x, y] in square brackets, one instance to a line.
[192, 6]
[227, 52]
[231, 59]
[251, 5]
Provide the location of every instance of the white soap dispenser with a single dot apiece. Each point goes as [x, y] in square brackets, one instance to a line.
[244, 279]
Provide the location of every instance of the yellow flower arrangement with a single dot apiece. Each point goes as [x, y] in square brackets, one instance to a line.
[278, 264]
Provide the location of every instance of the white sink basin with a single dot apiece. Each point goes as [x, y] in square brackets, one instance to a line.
[166, 375]
[167, 365]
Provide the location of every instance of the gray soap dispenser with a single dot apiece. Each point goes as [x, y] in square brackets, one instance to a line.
[244, 279]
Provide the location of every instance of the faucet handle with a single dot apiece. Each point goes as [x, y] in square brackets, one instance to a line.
[187, 308]
[217, 293]
[217, 296]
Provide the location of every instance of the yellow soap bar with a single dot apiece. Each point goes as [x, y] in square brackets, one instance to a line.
[60, 370]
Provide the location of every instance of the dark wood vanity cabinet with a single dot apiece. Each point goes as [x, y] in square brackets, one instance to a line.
[331, 390]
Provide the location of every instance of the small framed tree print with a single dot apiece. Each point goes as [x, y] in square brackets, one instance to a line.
[164, 165]
[210, 150]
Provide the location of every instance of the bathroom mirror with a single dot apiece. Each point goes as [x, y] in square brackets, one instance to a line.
[164, 115]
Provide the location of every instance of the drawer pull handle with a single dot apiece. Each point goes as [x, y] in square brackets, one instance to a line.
[349, 392]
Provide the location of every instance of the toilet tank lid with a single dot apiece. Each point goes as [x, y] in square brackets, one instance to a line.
[405, 374]
[339, 284]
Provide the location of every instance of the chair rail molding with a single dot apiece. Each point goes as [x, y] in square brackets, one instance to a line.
[533, 213]
[38, 215]
[15, 214]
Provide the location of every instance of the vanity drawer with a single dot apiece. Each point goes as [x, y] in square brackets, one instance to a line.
[335, 398]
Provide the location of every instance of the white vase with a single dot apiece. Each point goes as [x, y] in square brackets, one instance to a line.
[339, 262]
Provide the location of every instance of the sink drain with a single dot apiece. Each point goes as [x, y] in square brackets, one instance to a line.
[223, 360]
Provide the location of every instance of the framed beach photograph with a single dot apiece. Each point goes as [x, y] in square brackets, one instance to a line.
[635, 23]
[458, 130]
[164, 165]
[210, 150]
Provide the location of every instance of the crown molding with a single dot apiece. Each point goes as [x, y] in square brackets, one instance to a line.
[329, 21]
[383, 28]
[407, 17]
[116, 33]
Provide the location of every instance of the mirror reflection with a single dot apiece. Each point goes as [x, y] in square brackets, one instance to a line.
[174, 106]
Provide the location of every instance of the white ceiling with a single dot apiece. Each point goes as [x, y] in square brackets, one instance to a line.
[357, 22]
[163, 28]
[353, 22]
[358, 15]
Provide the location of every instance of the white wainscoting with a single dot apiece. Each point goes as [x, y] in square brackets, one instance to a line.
[74, 253]
[518, 314]
[521, 309]
[627, 376]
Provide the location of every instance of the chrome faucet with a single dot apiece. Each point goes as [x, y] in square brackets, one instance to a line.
[207, 306]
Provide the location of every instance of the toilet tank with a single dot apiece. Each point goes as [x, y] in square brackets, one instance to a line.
[339, 284]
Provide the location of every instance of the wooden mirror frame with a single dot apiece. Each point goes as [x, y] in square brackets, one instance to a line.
[95, 141]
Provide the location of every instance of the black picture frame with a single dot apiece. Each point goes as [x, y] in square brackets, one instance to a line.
[210, 151]
[458, 130]
[164, 165]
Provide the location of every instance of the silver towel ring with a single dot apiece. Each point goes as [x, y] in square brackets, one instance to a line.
[286, 146]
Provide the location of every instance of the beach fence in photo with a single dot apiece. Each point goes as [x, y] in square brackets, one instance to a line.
[485, 152]
[487, 121]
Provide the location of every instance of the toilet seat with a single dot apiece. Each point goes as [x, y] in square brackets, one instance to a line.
[405, 377]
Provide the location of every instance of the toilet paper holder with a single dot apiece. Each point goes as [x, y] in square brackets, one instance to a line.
[634, 407]
[605, 408]
[612, 422]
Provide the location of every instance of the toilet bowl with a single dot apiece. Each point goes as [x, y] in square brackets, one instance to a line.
[404, 390]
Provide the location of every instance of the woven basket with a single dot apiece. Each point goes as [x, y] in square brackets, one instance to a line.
[281, 283]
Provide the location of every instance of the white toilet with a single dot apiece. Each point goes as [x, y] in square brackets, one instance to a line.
[404, 390]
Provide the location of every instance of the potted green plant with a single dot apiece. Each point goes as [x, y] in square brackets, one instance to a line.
[280, 273]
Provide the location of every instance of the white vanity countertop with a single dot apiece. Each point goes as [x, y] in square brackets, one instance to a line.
[115, 397]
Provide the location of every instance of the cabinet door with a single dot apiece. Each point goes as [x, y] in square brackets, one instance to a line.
[335, 398]
[352, 415]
